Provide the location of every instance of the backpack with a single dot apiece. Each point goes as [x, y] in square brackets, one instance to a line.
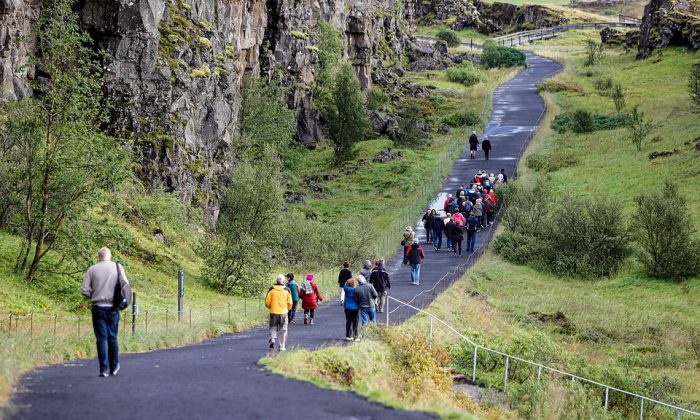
[122, 292]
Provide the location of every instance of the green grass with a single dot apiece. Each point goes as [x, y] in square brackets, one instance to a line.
[465, 35]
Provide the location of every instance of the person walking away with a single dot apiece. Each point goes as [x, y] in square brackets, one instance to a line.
[352, 310]
[293, 288]
[415, 256]
[446, 204]
[438, 226]
[366, 270]
[101, 282]
[478, 212]
[490, 207]
[366, 295]
[505, 177]
[473, 144]
[492, 178]
[473, 194]
[344, 275]
[408, 236]
[448, 239]
[426, 224]
[459, 219]
[279, 302]
[472, 224]
[381, 282]
[499, 181]
[310, 296]
[486, 147]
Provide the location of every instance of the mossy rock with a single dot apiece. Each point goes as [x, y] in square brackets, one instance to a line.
[230, 51]
[203, 71]
[298, 34]
[220, 71]
[206, 25]
[204, 43]
[312, 48]
[218, 57]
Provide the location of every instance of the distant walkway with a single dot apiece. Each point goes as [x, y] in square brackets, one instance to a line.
[221, 378]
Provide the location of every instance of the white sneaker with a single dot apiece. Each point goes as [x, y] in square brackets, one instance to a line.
[116, 370]
[283, 349]
[348, 338]
[104, 374]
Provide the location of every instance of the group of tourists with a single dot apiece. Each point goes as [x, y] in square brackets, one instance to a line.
[468, 211]
[362, 297]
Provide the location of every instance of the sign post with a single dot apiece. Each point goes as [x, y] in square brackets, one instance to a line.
[180, 293]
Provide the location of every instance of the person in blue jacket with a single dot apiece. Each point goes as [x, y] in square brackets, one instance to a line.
[352, 310]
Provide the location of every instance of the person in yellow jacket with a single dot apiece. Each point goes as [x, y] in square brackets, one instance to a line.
[279, 302]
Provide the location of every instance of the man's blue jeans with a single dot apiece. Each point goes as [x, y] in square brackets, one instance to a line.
[471, 241]
[367, 315]
[449, 242]
[437, 238]
[105, 323]
[415, 273]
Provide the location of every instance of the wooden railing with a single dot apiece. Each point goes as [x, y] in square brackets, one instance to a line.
[545, 33]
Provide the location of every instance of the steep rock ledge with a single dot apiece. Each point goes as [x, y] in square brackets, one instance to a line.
[668, 22]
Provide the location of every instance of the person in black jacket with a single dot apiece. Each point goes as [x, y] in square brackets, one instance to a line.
[456, 233]
[344, 275]
[486, 147]
[380, 280]
[473, 144]
[427, 216]
[438, 225]
[415, 256]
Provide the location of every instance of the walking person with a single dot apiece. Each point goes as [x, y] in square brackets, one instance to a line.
[352, 310]
[279, 302]
[505, 177]
[448, 239]
[472, 224]
[473, 144]
[478, 212]
[366, 295]
[427, 216]
[408, 236]
[486, 147]
[457, 233]
[344, 275]
[415, 256]
[438, 225]
[102, 281]
[366, 270]
[293, 288]
[381, 282]
[310, 296]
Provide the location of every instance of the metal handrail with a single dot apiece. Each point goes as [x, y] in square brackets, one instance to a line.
[540, 366]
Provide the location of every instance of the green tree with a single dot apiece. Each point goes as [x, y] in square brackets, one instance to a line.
[330, 53]
[348, 121]
[639, 127]
[54, 154]
[264, 119]
[665, 232]
[237, 258]
[694, 86]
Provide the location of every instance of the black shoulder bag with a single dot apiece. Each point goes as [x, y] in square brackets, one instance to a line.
[122, 292]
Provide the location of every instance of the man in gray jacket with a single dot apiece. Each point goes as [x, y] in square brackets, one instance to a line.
[99, 285]
[366, 296]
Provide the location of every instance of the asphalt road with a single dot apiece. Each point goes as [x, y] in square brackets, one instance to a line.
[221, 378]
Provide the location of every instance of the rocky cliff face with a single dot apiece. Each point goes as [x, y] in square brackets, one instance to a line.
[668, 22]
[486, 17]
[174, 69]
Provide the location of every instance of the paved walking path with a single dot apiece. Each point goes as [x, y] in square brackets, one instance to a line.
[220, 378]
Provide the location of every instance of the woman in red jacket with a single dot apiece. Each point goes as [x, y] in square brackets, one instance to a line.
[310, 296]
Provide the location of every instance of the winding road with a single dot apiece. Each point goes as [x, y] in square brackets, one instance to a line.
[221, 378]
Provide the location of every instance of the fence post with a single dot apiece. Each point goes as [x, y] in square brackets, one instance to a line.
[134, 312]
[166, 319]
[190, 317]
[55, 325]
[9, 325]
[31, 324]
[539, 374]
[505, 375]
[476, 349]
[387, 309]
[229, 313]
[641, 409]
[245, 306]
[180, 293]
[430, 342]
[146, 321]
[211, 316]
[607, 391]
[78, 325]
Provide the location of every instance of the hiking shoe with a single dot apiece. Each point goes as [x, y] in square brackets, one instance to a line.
[116, 370]
[348, 338]
[272, 344]
[283, 349]
[104, 374]
[311, 322]
[358, 339]
[306, 321]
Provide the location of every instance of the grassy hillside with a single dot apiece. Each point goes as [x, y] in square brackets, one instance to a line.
[630, 330]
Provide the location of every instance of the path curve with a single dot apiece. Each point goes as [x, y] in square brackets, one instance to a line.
[221, 378]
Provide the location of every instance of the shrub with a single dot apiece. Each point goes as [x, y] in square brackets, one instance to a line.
[377, 99]
[498, 56]
[461, 118]
[664, 230]
[555, 86]
[466, 74]
[594, 52]
[584, 238]
[639, 127]
[521, 213]
[618, 97]
[552, 160]
[582, 122]
[570, 122]
[449, 36]
[603, 84]
[517, 247]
